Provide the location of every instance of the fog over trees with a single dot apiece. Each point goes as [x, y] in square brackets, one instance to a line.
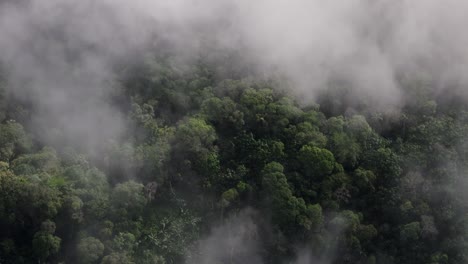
[207, 132]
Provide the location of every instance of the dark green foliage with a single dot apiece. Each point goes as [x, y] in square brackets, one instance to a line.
[45, 245]
[349, 184]
[13, 140]
[317, 162]
[89, 250]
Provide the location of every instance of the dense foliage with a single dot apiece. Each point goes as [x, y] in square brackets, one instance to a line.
[349, 184]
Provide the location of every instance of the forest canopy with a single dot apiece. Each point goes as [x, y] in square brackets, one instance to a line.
[202, 149]
[181, 132]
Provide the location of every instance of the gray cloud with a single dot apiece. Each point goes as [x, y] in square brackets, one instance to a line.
[236, 240]
[60, 53]
[240, 239]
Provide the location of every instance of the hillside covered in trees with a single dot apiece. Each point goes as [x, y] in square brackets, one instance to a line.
[217, 168]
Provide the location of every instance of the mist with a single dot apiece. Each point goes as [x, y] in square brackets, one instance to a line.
[243, 236]
[60, 54]
[64, 57]
[234, 241]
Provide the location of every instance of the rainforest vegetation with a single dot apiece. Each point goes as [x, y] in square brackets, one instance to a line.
[343, 181]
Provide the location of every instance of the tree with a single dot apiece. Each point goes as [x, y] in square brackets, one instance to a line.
[43, 162]
[223, 114]
[317, 162]
[195, 150]
[118, 258]
[196, 136]
[45, 245]
[410, 232]
[89, 250]
[315, 214]
[13, 140]
[288, 211]
[128, 198]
